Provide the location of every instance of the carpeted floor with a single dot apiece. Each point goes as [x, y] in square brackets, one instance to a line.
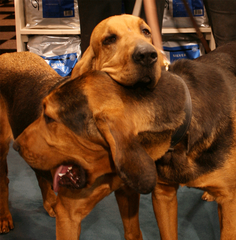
[7, 27]
[198, 220]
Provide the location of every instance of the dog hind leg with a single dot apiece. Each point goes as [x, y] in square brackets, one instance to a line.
[6, 223]
[227, 218]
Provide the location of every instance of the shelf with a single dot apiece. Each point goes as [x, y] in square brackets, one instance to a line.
[28, 31]
[185, 30]
[22, 32]
[205, 30]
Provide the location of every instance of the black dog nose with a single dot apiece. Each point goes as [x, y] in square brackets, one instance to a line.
[145, 54]
[16, 146]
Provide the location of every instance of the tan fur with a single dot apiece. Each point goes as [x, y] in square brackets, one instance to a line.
[116, 59]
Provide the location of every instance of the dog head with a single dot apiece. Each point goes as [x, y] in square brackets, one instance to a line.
[89, 122]
[122, 47]
[102, 127]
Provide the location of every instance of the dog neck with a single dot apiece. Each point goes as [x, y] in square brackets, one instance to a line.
[181, 131]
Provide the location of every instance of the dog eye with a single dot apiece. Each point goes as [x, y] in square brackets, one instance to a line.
[146, 31]
[109, 40]
[48, 119]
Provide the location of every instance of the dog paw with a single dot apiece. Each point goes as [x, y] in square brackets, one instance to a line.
[207, 197]
[6, 223]
[49, 197]
[49, 205]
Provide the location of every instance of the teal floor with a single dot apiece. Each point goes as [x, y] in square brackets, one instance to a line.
[198, 220]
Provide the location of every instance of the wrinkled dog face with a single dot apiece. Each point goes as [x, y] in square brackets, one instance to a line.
[79, 126]
[122, 47]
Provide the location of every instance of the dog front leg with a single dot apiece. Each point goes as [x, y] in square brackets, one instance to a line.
[74, 205]
[67, 219]
[49, 197]
[128, 202]
[164, 199]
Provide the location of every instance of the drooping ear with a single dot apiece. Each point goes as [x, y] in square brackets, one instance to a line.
[135, 167]
[84, 64]
[161, 61]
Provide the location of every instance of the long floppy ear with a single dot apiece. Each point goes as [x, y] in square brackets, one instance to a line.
[133, 164]
[84, 64]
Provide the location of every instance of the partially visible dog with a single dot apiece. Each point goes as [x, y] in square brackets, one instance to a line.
[25, 80]
[109, 133]
[122, 47]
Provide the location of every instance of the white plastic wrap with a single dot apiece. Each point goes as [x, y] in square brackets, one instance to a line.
[182, 46]
[176, 16]
[60, 52]
[52, 14]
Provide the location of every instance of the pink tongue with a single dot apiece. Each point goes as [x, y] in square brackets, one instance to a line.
[61, 169]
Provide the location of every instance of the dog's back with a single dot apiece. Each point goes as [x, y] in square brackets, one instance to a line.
[223, 57]
[211, 80]
[25, 80]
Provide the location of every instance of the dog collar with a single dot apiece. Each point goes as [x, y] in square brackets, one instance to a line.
[180, 132]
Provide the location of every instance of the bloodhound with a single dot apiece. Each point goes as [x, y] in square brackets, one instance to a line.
[20, 99]
[110, 137]
[122, 47]
[25, 80]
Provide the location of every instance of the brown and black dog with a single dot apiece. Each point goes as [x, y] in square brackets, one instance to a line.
[25, 80]
[106, 130]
